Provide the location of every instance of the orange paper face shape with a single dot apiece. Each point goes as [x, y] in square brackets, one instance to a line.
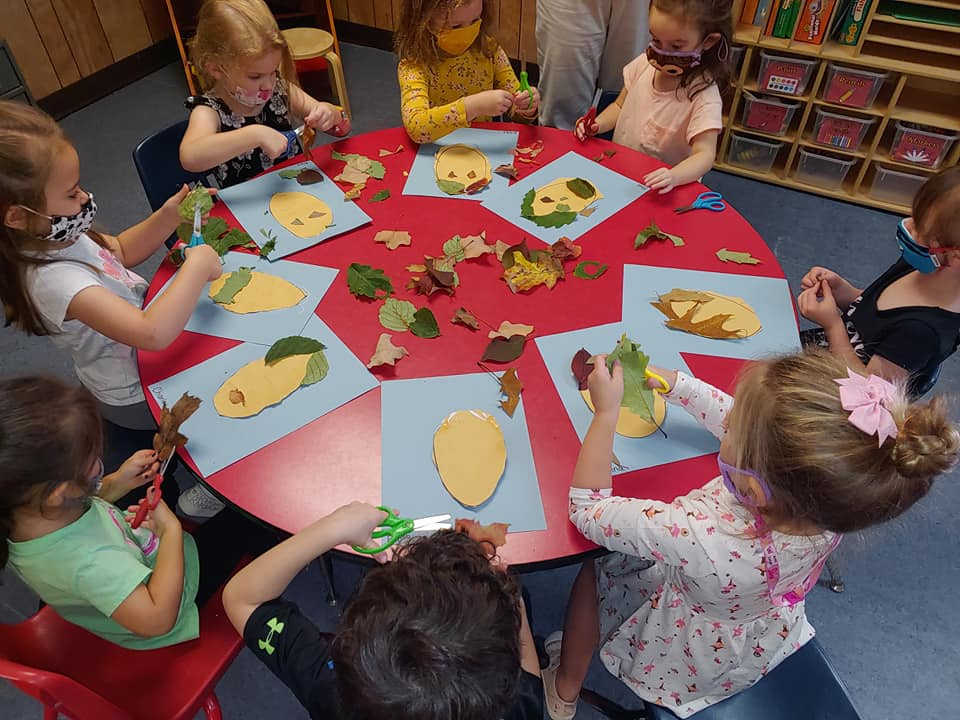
[471, 455]
[301, 213]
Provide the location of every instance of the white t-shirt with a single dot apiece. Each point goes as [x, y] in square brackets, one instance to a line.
[663, 123]
[105, 367]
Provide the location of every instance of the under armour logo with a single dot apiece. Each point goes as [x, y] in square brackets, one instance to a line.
[275, 628]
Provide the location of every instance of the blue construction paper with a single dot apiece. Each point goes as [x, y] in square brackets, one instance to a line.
[411, 412]
[618, 192]
[495, 144]
[250, 201]
[217, 441]
[210, 318]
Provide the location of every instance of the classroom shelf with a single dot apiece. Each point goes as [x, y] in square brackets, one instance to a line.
[923, 86]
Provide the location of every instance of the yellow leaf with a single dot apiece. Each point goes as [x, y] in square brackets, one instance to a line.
[509, 329]
[417, 268]
[524, 275]
[392, 238]
[386, 353]
[510, 386]
[354, 192]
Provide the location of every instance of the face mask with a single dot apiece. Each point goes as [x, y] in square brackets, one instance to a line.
[458, 40]
[675, 63]
[67, 228]
[917, 256]
[258, 99]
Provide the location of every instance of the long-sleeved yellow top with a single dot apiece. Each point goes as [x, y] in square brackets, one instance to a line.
[432, 95]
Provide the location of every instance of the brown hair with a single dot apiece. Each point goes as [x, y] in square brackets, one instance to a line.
[936, 208]
[49, 433]
[234, 30]
[790, 428]
[414, 42]
[432, 635]
[709, 16]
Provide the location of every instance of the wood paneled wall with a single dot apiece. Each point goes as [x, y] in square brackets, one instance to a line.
[515, 21]
[57, 42]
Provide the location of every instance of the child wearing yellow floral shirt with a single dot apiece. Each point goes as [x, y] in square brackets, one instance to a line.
[452, 72]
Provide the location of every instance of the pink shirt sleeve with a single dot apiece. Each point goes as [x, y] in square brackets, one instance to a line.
[633, 70]
[707, 112]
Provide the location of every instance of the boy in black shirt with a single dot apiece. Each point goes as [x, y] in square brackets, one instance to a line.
[438, 633]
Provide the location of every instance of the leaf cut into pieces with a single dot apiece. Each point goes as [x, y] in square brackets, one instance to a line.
[590, 270]
[464, 317]
[508, 329]
[509, 171]
[293, 345]
[367, 281]
[582, 366]
[386, 353]
[236, 282]
[504, 350]
[373, 168]
[237, 397]
[351, 176]
[168, 437]
[476, 186]
[531, 150]
[354, 192]
[392, 238]
[510, 386]
[493, 535]
[380, 196]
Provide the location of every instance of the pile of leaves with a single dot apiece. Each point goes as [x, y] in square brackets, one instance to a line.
[357, 171]
[439, 274]
[168, 437]
[562, 214]
[524, 269]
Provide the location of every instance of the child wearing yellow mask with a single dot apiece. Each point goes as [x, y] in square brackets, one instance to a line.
[452, 72]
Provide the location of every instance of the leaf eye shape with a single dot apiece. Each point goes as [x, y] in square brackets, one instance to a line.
[296, 221]
[316, 214]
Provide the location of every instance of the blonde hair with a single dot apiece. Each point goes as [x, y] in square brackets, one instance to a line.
[936, 208]
[789, 427]
[229, 31]
[415, 42]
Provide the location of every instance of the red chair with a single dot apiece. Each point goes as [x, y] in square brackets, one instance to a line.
[79, 675]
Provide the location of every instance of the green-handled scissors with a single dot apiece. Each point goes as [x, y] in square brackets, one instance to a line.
[392, 528]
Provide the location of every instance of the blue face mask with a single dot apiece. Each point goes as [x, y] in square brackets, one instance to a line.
[917, 256]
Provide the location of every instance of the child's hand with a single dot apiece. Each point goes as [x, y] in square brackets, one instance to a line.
[354, 523]
[669, 375]
[816, 274]
[137, 470]
[169, 208]
[204, 256]
[324, 117]
[817, 305]
[489, 102]
[583, 129]
[342, 128]
[661, 179]
[273, 142]
[527, 103]
[606, 388]
[160, 520]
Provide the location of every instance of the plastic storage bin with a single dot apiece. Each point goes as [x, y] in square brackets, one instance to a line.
[895, 186]
[753, 153]
[736, 55]
[768, 114]
[852, 87]
[821, 169]
[782, 74]
[921, 145]
[840, 131]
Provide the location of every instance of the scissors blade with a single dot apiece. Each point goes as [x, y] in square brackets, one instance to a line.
[428, 523]
[166, 463]
[197, 237]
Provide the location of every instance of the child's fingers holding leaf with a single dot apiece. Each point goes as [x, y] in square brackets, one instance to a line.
[606, 386]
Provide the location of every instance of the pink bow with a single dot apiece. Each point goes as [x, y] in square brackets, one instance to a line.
[869, 400]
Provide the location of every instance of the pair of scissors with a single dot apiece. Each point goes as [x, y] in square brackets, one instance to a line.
[653, 376]
[145, 504]
[392, 528]
[196, 237]
[712, 201]
[525, 81]
[591, 115]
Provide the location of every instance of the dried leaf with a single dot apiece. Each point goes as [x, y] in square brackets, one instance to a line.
[309, 177]
[385, 153]
[467, 247]
[392, 238]
[588, 211]
[524, 275]
[380, 196]
[386, 352]
[711, 327]
[500, 248]
[442, 273]
[168, 437]
[582, 366]
[504, 350]
[653, 231]
[416, 268]
[237, 398]
[531, 150]
[198, 196]
[293, 345]
[509, 171]
[590, 270]
[476, 186]
[354, 192]
[367, 281]
[609, 153]
[510, 386]
[373, 168]
[565, 249]
[464, 317]
[351, 176]
[741, 258]
[524, 159]
[424, 324]
[508, 330]
[235, 282]
[451, 187]
[397, 315]
[493, 535]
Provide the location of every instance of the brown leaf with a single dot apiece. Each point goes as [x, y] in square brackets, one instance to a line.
[504, 350]
[392, 238]
[416, 268]
[441, 275]
[510, 386]
[464, 317]
[508, 330]
[528, 160]
[475, 245]
[666, 300]
[711, 327]
[351, 176]
[472, 174]
[237, 397]
[500, 248]
[476, 186]
[565, 249]
[386, 352]
[494, 535]
[588, 211]
[509, 171]
[309, 177]
[425, 285]
[385, 153]
[531, 150]
[581, 366]
[168, 437]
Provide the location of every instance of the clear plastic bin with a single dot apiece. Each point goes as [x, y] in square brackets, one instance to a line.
[921, 145]
[736, 56]
[783, 74]
[752, 153]
[840, 131]
[821, 169]
[852, 87]
[768, 114]
[895, 186]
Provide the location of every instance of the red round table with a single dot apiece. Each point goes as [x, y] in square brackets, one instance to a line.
[336, 458]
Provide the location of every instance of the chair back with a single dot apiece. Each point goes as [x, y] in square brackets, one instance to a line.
[157, 159]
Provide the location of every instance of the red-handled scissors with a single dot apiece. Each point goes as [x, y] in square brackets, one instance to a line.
[146, 505]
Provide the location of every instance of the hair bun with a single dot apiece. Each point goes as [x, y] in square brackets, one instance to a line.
[928, 443]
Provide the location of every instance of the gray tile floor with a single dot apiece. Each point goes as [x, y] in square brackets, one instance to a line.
[893, 635]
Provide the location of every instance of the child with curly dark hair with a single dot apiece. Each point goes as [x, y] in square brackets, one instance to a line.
[437, 633]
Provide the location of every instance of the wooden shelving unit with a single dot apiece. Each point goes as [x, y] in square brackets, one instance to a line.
[923, 86]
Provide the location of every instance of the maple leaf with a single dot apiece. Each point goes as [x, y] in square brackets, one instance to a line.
[590, 269]
[524, 274]
[380, 196]
[504, 350]
[581, 366]
[464, 317]
[168, 437]
[508, 330]
[509, 171]
[711, 327]
[741, 258]
[386, 353]
[392, 238]
[354, 192]
[351, 176]
[385, 153]
[510, 386]
[235, 282]
[565, 249]
[367, 281]
[309, 177]
[493, 535]
[199, 196]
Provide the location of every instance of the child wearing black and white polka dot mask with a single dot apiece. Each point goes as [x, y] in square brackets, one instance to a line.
[59, 278]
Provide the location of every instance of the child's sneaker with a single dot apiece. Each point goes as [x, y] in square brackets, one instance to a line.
[198, 502]
[557, 707]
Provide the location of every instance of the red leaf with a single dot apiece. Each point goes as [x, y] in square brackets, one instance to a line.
[494, 534]
[501, 350]
[581, 367]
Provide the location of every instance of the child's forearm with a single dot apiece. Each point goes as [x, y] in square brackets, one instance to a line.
[167, 316]
[139, 242]
[593, 463]
[166, 582]
[839, 342]
[607, 120]
[211, 150]
[694, 167]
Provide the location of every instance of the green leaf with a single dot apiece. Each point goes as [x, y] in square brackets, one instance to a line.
[424, 324]
[653, 231]
[397, 315]
[451, 187]
[380, 196]
[373, 168]
[581, 188]
[741, 258]
[234, 237]
[290, 173]
[197, 196]
[554, 219]
[526, 206]
[270, 245]
[317, 368]
[590, 269]
[503, 350]
[453, 249]
[293, 345]
[367, 281]
[637, 395]
[234, 283]
[563, 207]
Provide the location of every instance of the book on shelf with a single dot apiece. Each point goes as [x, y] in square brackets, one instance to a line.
[814, 21]
[786, 18]
[852, 19]
[749, 11]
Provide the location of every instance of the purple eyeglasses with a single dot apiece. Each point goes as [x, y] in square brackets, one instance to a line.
[726, 470]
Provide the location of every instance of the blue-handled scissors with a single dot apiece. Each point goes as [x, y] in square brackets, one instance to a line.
[196, 238]
[392, 528]
[705, 201]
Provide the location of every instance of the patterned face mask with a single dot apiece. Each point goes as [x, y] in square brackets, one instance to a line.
[673, 63]
[258, 99]
[67, 228]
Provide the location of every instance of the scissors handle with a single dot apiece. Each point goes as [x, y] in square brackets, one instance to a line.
[653, 376]
[391, 527]
[145, 504]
